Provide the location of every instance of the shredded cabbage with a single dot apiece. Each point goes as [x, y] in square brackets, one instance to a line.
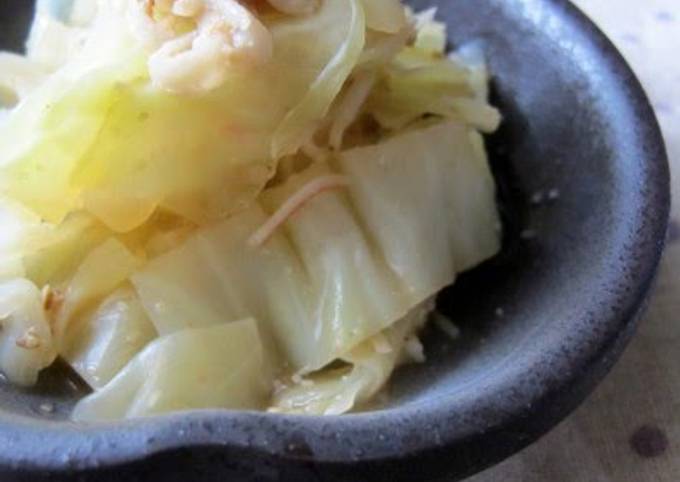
[298, 125]
[417, 83]
[314, 168]
[121, 148]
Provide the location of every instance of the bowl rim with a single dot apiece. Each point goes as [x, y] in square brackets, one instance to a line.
[31, 446]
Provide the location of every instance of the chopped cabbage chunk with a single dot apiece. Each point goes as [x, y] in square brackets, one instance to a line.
[420, 80]
[101, 341]
[102, 271]
[16, 222]
[386, 16]
[53, 253]
[369, 366]
[298, 125]
[18, 77]
[431, 36]
[434, 170]
[355, 294]
[343, 268]
[26, 344]
[220, 366]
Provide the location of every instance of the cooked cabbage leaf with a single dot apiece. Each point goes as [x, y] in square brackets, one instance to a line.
[100, 342]
[26, 343]
[299, 124]
[215, 277]
[216, 367]
[315, 310]
[51, 42]
[101, 137]
[17, 222]
[421, 81]
[431, 35]
[51, 254]
[355, 294]
[103, 270]
[387, 16]
[439, 171]
[320, 286]
[369, 366]
[328, 193]
[18, 77]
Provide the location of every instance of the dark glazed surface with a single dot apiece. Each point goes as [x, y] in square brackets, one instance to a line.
[576, 121]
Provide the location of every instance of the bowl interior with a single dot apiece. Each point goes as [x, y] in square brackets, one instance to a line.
[555, 307]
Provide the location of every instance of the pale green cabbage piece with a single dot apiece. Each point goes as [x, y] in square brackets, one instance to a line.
[16, 222]
[369, 366]
[181, 289]
[18, 77]
[420, 81]
[100, 342]
[299, 124]
[51, 42]
[312, 317]
[316, 307]
[103, 269]
[349, 106]
[381, 48]
[437, 170]
[344, 267]
[220, 366]
[431, 34]
[26, 342]
[471, 55]
[51, 254]
[97, 135]
[355, 294]
[387, 16]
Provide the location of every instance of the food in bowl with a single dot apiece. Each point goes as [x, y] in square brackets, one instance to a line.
[242, 205]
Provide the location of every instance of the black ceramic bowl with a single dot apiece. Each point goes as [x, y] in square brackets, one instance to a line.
[542, 323]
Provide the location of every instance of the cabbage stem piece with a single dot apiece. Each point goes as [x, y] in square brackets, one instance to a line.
[354, 293]
[369, 366]
[427, 198]
[420, 208]
[349, 107]
[103, 270]
[100, 342]
[299, 124]
[217, 367]
[387, 16]
[52, 254]
[295, 7]
[26, 342]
